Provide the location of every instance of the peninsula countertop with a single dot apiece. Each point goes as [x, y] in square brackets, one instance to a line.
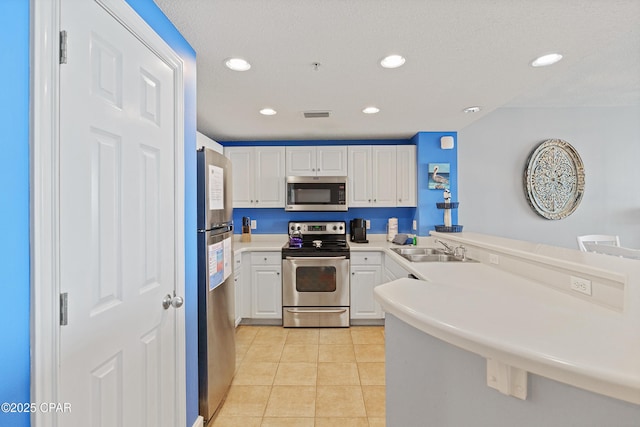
[517, 321]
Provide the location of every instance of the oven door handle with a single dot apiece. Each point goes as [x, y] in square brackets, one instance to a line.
[314, 258]
[303, 310]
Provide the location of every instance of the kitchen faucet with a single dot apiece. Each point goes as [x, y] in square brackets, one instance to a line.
[448, 249]
[453, 251]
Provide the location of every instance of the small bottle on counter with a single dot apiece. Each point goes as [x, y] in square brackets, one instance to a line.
[415, 240]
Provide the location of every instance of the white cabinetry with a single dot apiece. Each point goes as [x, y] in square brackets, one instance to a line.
[393, 270]
[258, 176]
[238, 288]
[406, 175]
[382, 176]
[316, 161]
[366, 274]
[266, 285]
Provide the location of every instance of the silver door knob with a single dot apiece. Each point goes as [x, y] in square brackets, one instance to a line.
[169, 301]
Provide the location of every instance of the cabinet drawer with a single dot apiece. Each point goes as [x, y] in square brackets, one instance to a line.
[266, 258]
[366, 258]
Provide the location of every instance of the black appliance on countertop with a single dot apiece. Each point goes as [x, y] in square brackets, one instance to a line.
[358, 230]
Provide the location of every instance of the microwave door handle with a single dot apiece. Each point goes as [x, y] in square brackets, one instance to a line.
[314, 258]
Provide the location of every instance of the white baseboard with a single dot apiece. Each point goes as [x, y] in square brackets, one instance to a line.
[199, 422]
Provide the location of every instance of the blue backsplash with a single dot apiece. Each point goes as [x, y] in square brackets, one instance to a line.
[274, 221]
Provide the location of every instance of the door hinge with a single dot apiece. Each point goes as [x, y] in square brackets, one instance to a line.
[63, 47]
[63, 309]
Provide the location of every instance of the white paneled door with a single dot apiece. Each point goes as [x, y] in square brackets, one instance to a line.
[117, 240]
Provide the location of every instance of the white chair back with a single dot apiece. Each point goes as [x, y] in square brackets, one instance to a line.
[597, 239]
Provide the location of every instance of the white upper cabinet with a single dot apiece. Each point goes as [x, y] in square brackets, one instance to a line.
[382, 176]
[258, 176]
[327, 160]
[359, 177]
[406, 175]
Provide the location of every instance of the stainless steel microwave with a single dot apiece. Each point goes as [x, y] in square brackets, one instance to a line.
[316, 193]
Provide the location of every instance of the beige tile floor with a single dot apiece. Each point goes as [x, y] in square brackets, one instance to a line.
[306, 377]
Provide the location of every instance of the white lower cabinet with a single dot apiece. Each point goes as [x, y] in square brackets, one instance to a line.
[238, 288]
[366, 274]
[393, 270]
[266, 285]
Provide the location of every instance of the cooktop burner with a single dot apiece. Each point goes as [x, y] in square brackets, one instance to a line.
[315, 238]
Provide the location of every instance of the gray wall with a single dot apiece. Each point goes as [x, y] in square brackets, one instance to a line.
[491, 159]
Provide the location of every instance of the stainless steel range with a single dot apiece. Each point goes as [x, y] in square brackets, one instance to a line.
[315, 275]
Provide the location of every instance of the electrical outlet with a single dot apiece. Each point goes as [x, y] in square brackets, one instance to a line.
[415, 225]
[494, 259]
[581, 285]
[254, 224]
[368, 222]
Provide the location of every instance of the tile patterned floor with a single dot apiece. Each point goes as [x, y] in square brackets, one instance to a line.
[306, 378]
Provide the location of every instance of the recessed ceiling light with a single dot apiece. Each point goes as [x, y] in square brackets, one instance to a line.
[545, 60]
[392, 61]
[268, 112]
[371, 110]
[474, 109]
[237, 64]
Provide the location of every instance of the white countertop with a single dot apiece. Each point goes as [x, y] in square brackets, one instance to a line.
[507, 317]
[503, 316]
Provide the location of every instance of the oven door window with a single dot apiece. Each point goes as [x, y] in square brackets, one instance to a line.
[316, 279]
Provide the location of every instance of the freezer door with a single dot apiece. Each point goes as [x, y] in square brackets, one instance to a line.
[215, 198]
[216, 320]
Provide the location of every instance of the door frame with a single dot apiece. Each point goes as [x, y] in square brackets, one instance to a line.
[44, 198]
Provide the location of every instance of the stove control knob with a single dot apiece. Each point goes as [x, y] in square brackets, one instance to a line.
[298, 227]
[335, 228]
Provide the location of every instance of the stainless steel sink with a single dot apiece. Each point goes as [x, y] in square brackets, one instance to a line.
[429, 255]
[418, 251]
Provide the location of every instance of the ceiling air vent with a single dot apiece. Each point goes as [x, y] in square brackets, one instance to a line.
[315, 114]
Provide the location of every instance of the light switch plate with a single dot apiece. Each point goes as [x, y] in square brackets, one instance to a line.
[368, 222]
[415, 225]
[254, 224]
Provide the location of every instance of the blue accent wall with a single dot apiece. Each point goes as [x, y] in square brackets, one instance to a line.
[14, 209]
[274, 221]
[148, 10]
[429, 151]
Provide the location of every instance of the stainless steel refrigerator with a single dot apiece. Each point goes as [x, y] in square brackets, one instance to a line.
[216, 319]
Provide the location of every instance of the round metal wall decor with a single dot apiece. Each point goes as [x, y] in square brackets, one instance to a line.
[554, 179]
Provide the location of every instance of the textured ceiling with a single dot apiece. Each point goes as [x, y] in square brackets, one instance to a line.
[459, 53]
